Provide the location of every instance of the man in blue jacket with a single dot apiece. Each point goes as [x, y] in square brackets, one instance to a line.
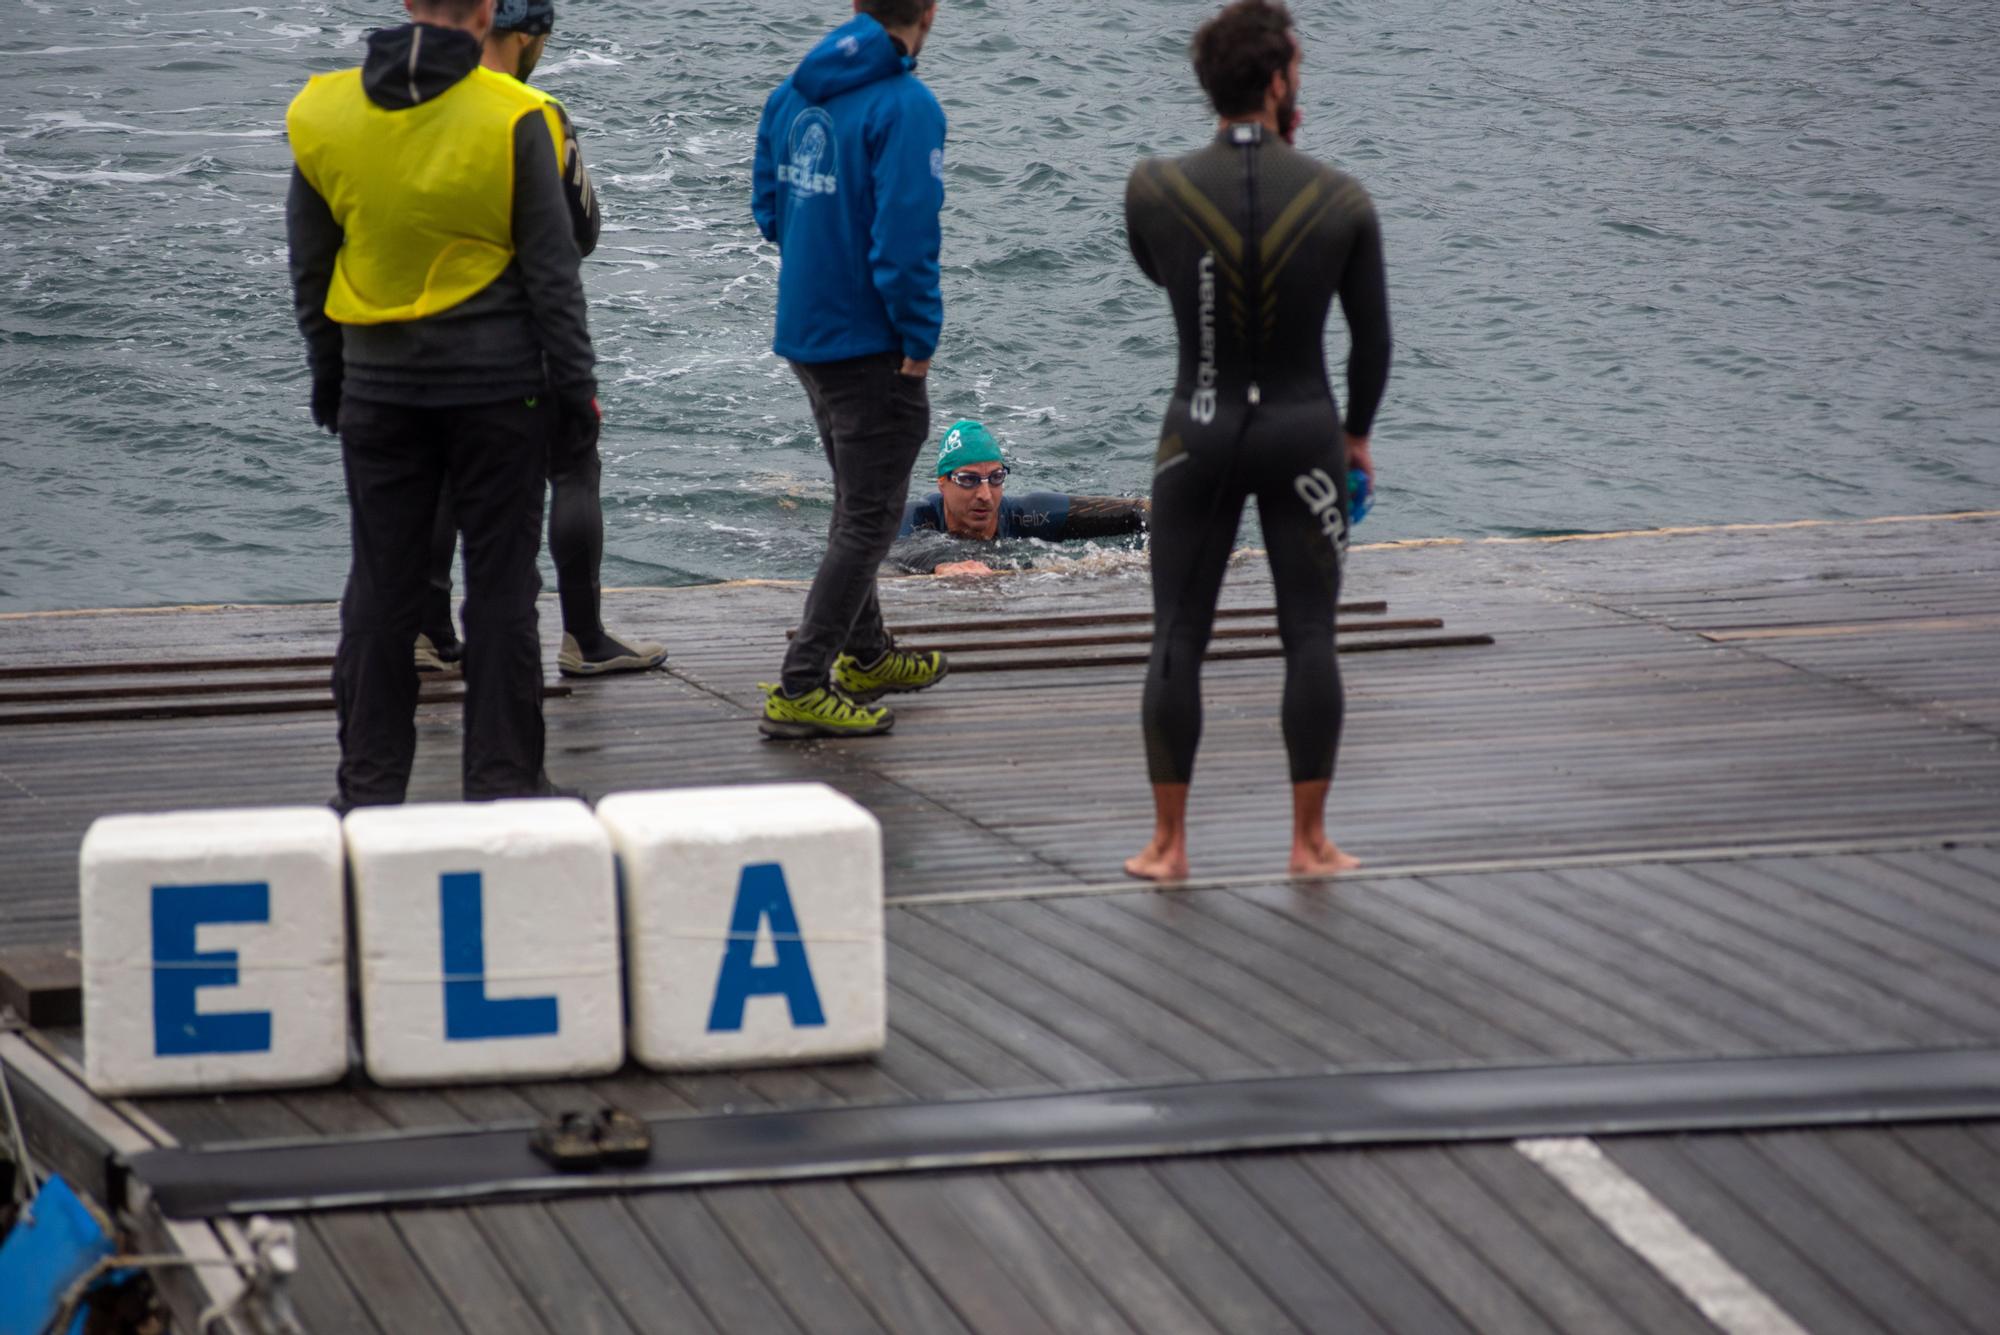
[849, 185]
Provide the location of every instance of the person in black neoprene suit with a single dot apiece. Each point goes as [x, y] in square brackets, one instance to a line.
[520, 34]
[1253, 240]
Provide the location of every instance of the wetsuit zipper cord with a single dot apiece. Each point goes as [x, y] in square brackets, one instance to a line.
[1253, 266]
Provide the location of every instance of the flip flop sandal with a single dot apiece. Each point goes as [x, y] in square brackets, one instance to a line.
[622, 1139]
[568, 1142]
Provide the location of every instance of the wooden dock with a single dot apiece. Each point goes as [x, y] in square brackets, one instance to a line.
[1705, 795]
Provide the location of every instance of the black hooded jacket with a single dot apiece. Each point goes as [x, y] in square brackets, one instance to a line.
[526, 333]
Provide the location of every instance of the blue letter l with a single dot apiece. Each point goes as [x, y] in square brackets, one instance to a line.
[470, 1014]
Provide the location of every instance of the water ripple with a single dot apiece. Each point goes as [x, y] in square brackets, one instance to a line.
[1630, 246]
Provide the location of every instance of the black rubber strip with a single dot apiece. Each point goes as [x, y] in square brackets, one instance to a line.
[1347, 1109]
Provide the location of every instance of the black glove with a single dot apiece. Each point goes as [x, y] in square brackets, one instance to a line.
[326, 402]
[577, 425]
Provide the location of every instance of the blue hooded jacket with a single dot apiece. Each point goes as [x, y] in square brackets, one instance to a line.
[849, 183]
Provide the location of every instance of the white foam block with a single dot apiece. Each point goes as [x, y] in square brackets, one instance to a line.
[488, 938]
[214, 951]
[753, 924]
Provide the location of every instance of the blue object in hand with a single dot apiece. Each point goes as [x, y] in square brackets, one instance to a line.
[1359, 496]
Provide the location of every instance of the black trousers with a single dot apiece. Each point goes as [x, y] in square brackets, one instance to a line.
[873, 421]
[576, 541]
[494, 458]
[1293, 462]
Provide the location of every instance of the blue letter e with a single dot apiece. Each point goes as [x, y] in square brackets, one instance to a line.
[179, 971]
[470, 1014]
[762, 896]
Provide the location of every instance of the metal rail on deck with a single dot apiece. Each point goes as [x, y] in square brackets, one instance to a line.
[1091, 619]
[186, 701]
[240, 692]
[1062, 663]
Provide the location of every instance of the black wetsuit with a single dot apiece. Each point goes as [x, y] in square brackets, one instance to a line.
[1048, 515]
[926, 541]
[1252, 240]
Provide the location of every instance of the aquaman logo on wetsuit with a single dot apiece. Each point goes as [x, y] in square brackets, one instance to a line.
[1322, 496]
[1203, 403]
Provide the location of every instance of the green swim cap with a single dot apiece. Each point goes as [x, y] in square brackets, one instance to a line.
[967, 442]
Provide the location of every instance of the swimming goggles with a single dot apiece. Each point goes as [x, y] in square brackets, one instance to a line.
[968, 480]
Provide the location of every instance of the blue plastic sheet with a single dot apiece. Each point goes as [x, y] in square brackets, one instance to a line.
[55, 1243]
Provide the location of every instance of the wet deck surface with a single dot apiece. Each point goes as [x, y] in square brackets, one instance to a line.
[1643, 694]
[1656, 718]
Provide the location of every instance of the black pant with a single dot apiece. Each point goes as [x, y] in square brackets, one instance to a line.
[873, 421]
[1295, 466]
[576, 541]
[494, 457]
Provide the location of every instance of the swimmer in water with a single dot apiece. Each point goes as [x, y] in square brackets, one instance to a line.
[973, 505]
[1253, 240]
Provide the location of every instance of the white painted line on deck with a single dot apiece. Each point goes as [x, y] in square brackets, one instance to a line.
[1642, 1222]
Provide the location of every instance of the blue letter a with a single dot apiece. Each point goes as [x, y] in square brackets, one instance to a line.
[762, 896]
[470, 1014]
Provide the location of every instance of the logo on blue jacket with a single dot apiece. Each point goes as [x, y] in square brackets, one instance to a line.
[809, 155]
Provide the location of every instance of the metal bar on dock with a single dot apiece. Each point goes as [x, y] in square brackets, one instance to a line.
[1146, 637]
[169, 689]
[1089, 619]
[164, 666]
[282, 685]
[198, 709]
[1064, 663]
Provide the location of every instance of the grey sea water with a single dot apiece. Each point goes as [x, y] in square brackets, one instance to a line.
[1676, 262]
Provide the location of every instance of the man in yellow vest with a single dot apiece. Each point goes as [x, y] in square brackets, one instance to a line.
[436, 280]
[514, 47]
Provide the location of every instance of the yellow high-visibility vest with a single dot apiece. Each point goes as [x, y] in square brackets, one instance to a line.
[425, 195]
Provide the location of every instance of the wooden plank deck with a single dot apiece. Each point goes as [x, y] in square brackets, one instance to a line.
[1578, 851]
[1601, 721]
[1760, 955]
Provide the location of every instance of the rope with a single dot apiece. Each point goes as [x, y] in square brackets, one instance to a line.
[73, 1296]
[25, 1189]
[273, 1259]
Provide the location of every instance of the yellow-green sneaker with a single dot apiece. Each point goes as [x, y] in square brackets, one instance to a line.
[820, 712]
[896, 672]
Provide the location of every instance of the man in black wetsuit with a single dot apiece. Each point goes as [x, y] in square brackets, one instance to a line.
[1252, 240]
[972, 504]
[520, 34]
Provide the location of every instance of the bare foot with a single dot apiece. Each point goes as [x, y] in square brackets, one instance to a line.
[1321, 858]
[1158, 863]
